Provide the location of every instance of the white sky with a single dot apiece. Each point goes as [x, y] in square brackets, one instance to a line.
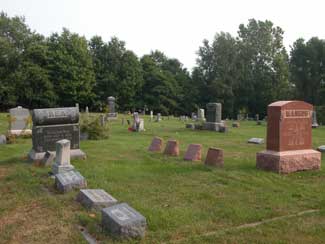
[176, 27]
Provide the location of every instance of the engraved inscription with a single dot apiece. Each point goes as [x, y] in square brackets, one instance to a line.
[123, 213]
[296, 133]
[296, 114]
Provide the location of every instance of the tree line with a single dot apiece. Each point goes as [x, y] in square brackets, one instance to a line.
[245, 72]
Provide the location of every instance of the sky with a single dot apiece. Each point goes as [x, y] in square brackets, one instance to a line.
[175, 27]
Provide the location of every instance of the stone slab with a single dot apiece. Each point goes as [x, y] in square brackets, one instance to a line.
[19, 117]
[95, 199]
[193, 152]
[212, 126]
[255, 140]
[288, 161]
[156, 144]
[26, 132]
[321, 148]
[123, 221]
[70, 180]
[58, 169]
[48, 159]
[74, 154]
[214, 157]
[172, 148]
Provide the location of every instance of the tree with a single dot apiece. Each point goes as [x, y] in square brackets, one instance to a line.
[71, 69]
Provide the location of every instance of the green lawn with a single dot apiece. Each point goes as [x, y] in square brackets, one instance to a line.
[183, 202]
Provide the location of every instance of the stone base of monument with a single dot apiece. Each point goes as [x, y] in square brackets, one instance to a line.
[314, 125]
[213, 126]
[58, 169]
[288, 161]
[70, 180]
[38, 156]
[26, 132]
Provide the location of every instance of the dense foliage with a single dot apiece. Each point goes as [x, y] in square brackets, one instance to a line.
[245, 73]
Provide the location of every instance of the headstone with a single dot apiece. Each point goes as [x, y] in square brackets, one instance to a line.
[151, 115]
[77, 106]
[52, 125]
[257, 117]
[314, 124]
[200, 114]
[289, 139]
[48, 159]
[235, 125]
[213, 117]
[19, 121]
[158, 119]
[255, 140]
[223, 128]
[156, 144]
[123, 221]
[172, 148]
[190, 126]
[62, 157]
[214, 157]
[102, 120]
[138, 124]
[69, 180]
[238, 117]
[111, 108]
[87, 110]
[95, 199]
[321, 148]
[193, 153]
[3, 139]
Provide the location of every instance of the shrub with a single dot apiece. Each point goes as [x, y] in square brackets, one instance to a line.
[93, 128]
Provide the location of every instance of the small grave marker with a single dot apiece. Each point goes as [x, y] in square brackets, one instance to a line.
[67, 181]
[95, 198]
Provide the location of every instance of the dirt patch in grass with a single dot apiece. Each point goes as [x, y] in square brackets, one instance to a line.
[34, 223]
[3, 172]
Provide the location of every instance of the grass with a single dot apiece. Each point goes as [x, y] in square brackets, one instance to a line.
[184, 202]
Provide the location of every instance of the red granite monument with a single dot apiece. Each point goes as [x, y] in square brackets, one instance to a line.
[289, 139]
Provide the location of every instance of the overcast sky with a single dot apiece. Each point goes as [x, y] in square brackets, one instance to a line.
[176, 27]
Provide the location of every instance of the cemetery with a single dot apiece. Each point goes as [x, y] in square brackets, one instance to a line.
[165, 183]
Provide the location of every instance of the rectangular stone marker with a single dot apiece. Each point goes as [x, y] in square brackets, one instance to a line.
[256, 140]
[19, 121]
[95, 198]
[54, 124]
[289, 139]
[213, 117]
[111, 108]
[67, 181]
[123, 221]
[62, 159]
[48, 159]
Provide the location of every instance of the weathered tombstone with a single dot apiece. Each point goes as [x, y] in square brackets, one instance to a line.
[158, 119]
[19, 121]
[77, 106]
[213, 117]
[48, 159]
[214, 157]
[95, 199]
[87, 110]
[255, 140]
[257, 117]
[3, 139]
[138, 124]
[111, 108]
[62, 157]
[102, 120]
[151, 115]
[69, 180]
[235, 125]
[238, 117]
[200, 114]
[193, 116]
[289, 139]
[123, 221]
[156, 144]
[193, 153]
[52, 125]
[314, 124]
[172, 148]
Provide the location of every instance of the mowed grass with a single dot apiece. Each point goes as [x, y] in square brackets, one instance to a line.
[184, 202]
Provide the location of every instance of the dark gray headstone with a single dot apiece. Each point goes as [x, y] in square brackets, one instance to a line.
[95, 198]
[256, 140]
[55, 116]
[67, 181]
[213, 113]
[48, 159]
[321, 148]
[123, 221]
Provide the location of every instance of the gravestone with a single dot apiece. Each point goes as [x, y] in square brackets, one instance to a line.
[111, 108]
[62, 157]
[95, 199]
[158, 118]
[255, 140]
[235, 125]
[151, 115]
[3, 139]
[314, 124]
[48, 159]
[321, 148]
[77, 106]
[54, 124]
[213, 117]
[156, 144]
[214, 157]
[19, 121]
[123, 221]
[289, 139]
[87, 110]
[200, 114]
[102, 120]
[69, 180]
[172, 148]
[193, 153]
[138, 124]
